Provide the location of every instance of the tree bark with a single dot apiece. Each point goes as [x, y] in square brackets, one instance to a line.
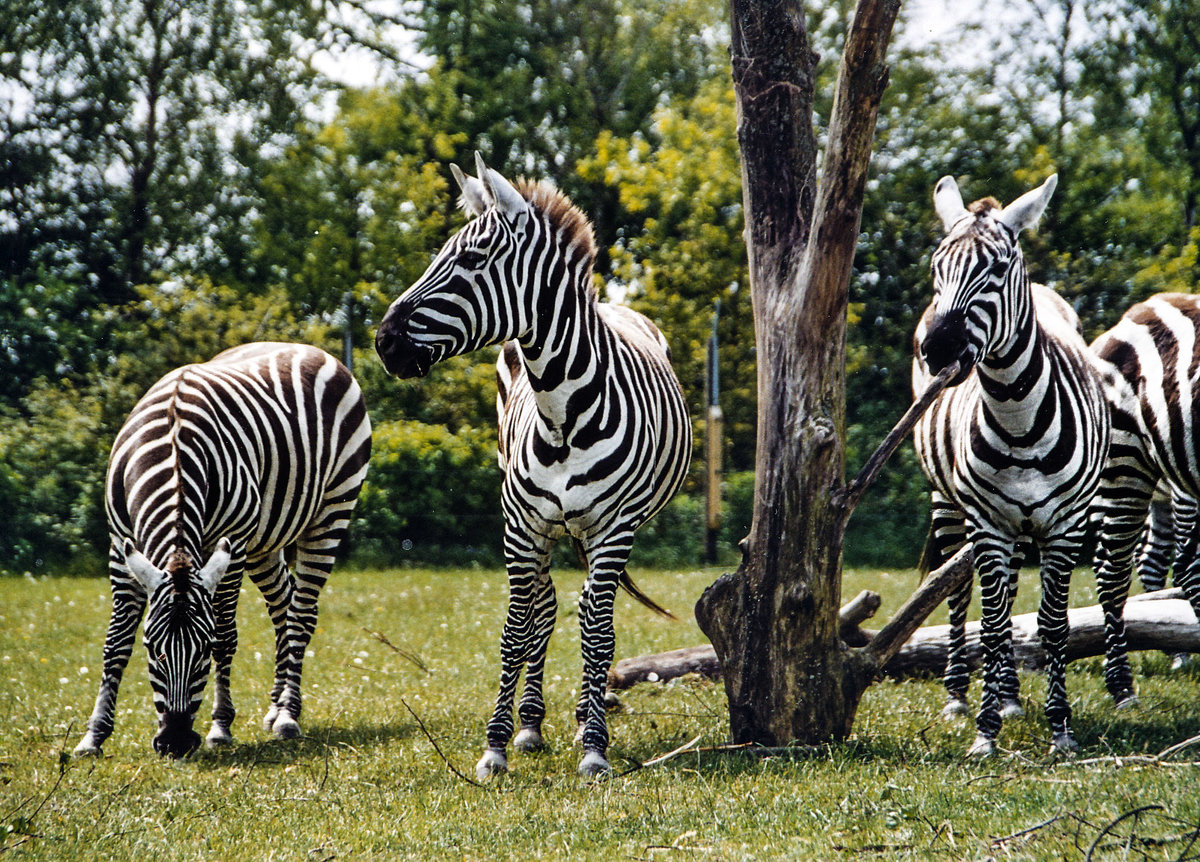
[1153, 621]
[788, 675]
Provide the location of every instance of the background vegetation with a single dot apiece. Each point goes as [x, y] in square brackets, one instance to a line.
[367, 781]
[177, 178]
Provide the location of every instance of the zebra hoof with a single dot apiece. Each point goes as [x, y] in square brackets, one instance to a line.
[1012, 709]
[1180, 660]
[1129, 700]
[87, 747]
[594, 765]
[217, 737]
[269, 718]
[982, 747]
[492, 763]
[955, 708]
[1064, 743]
[285, 727]
[529, 739]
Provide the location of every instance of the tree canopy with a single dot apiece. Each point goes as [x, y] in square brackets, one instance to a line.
[180, 177]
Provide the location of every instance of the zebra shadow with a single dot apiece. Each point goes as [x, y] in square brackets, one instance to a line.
[317, 743]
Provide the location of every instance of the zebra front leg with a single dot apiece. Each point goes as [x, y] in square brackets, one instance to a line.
[598, 644]
[129, 603]
[993, 560]
[532, 709]
[1057, 562]
[1010, 685]
[1113, 567]
[957, 673]
[225, 603]
[524, 558]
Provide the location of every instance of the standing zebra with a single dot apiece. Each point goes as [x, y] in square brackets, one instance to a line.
[236, 461]
[1015, 450]
[594, 433]
[1155, 348]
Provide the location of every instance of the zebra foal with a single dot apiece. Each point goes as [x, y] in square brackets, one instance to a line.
[594, 433]
[1014, 451]
[220, 468]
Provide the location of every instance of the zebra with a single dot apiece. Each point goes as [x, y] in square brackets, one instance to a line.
[225, 467]
[1015, 450]
[594, 433]
[1153, 349]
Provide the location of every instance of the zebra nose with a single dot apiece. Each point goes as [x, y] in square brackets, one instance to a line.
[400, 354]
[946, 341]
[175, 737]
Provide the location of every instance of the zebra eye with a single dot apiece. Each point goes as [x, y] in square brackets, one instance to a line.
[471, 259]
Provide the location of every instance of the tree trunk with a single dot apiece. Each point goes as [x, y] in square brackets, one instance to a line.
[774, 624]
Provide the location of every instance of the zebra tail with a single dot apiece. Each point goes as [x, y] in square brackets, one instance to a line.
[627, 583]
[929, 556]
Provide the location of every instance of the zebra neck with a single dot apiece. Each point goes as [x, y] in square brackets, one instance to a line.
[568, 366]
[1018, 369]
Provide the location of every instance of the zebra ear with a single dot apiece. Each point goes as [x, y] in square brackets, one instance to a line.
[948, 202]
[216, 567]
[507, 199]
[145, 571]
[474, 196]
[1025, 211]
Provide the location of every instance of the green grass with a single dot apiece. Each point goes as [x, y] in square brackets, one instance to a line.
[366, 781]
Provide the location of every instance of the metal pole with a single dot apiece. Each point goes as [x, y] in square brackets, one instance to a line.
[347, 333]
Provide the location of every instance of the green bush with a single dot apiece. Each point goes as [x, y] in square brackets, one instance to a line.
[430, 497]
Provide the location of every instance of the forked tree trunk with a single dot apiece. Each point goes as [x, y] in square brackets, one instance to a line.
[774, 623]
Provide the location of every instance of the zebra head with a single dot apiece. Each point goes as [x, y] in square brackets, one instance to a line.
[980, 287]
[179, 637]
[467, 297]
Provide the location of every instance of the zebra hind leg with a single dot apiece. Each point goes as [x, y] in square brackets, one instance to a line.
[274, 581]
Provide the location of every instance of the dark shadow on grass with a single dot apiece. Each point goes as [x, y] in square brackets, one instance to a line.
[316, 743]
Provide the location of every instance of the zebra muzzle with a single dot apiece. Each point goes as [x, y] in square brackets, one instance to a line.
[401, 356]
[175, 737]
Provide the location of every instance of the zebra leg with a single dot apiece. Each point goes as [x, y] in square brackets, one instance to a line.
[1186, 548]
[270, 574]
[1121, 521]
[225, 603]
[1010, 686]
[993, 563]
[947, 535]
[524, 554]
[128, 605]
[1058, 558]
[598, 643]
[315, 554]
[532, 709]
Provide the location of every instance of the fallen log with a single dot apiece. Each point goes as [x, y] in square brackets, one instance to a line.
[1153, 621]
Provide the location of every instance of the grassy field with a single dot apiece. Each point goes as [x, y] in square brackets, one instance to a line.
[366, 782]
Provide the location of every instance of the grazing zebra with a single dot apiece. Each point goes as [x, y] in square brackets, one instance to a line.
[1154, 348]
[1014, 451]
[594, 432]
[222, 468]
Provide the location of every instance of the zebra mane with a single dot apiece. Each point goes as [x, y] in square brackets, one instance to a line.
[984, 205]
[179, 566]
[573, 226]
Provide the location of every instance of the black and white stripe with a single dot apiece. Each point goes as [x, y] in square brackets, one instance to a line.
[1171, 520]
[1014, 452]
[1155, 351]
[594, 433]
[237, 461]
